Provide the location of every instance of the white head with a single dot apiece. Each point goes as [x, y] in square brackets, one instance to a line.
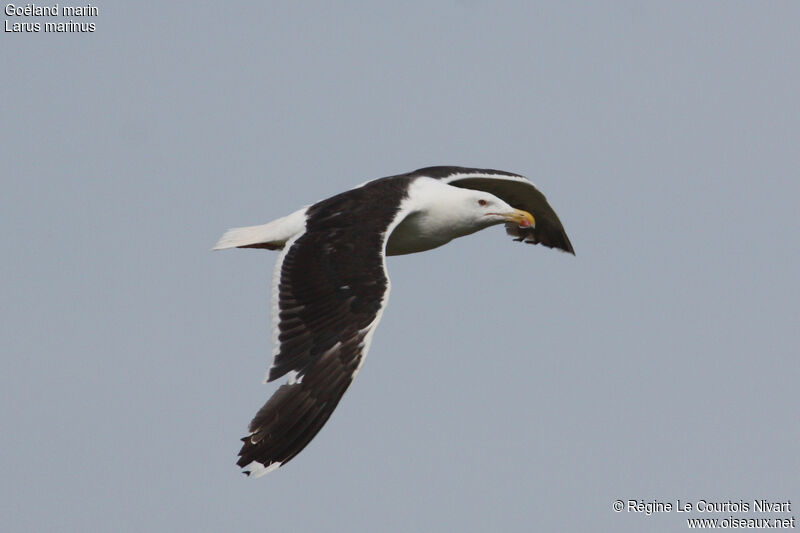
[451, 212]
[440, 213]
[476, 210]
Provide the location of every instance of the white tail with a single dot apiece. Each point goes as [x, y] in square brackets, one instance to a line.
[272, 235]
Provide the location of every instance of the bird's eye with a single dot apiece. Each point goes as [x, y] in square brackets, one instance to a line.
[483, 202]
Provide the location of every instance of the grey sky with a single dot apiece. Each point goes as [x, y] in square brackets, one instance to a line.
[509, 387]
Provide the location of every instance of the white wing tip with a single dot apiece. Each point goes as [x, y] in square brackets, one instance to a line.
[232, 238]
[255, 469]
[244, 236]
[272, 235]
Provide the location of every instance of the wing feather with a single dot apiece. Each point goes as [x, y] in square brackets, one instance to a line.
[331, 288]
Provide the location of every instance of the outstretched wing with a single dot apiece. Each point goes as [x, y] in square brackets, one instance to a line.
[518, 192]
[331, 287]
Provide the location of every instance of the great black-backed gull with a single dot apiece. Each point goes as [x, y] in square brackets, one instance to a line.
[330, 286]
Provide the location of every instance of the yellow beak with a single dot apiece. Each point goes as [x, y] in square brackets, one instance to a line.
[521, 218]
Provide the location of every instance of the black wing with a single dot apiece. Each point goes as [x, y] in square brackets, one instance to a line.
[518, 192]
[332, 288]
